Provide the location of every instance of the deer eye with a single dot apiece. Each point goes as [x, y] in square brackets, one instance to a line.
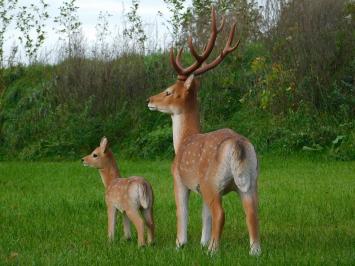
[167, 93]
[94, 155]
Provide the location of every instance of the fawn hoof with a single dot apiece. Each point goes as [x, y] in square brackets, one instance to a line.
[141, 242]
[255, 249]
[179, 244]
[141, 245]
[126, 239]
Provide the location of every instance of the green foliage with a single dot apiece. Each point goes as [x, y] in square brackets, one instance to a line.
[135, 30]
[314, 42]
[179, 18]
[266, 90]
[31, 21]
[68, 24]
[7, 14]
[102, 33]
[158, 142]
[40, 120]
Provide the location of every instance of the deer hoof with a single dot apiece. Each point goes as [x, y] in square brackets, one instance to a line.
[213, 247]
[255, 249]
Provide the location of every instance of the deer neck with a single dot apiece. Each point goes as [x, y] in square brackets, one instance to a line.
[109, 173]
[185, 125]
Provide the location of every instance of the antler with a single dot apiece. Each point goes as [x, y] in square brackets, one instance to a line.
[227, 49]
[196, 68]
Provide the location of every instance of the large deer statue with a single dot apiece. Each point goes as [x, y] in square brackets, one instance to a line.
[211, 164]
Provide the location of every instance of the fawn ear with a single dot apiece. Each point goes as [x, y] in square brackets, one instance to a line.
[104, 144]
[189, 81]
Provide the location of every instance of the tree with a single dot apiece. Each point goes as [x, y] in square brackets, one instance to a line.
[195, 19]
[69, 24]
[102, 32]
[179, 20]
[135, 30]
[30, 22]
[7, 8]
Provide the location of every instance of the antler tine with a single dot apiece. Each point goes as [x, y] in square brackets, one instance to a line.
[204, 47]
[214, 32]
[213, 20]
[211, 41]
[209, 46]
[193, 50]
[231, 37]
[222, 25]
[178, 59]
[227, 49]
[200, 58]
[173, 62]
[231, 49]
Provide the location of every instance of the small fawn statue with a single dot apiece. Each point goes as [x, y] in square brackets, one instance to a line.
[131, 196]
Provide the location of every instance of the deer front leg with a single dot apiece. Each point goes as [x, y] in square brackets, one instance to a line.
[206, 225]
[111, 218]
[181, 201]
[126, 227]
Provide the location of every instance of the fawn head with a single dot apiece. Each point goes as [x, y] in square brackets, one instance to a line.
[100, 157]
[182, 96]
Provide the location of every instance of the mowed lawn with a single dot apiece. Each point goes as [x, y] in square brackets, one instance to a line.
[54, 214]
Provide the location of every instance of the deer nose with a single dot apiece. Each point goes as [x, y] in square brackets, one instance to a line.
[82, 160]
[147, 100]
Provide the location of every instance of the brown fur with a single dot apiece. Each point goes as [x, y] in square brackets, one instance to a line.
[131, 196]
[201, 158]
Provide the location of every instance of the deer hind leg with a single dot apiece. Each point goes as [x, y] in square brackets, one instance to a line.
[250, 204]
[126, 227]
[214, 201]
[138, 222]
[181, 201]
[206, 225]
[111, 218]
[149, 221]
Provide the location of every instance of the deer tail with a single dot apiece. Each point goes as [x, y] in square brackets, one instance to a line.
[145, 195]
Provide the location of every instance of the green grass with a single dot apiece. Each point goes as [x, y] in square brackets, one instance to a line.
[54, 214]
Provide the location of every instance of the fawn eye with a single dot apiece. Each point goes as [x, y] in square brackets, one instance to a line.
[167, 93]
[94, 155]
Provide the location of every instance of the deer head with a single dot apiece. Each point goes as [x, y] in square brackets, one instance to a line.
[182, 96]
[100, 157]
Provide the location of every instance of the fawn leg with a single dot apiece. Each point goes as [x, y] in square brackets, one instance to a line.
[138, 222]
[111, 215]
[149, 221]
[126, 227]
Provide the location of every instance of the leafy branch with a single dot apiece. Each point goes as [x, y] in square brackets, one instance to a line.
[7, 9]
[135, 30]
[31, 23]
[69, 24]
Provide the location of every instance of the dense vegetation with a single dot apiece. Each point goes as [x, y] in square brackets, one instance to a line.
[289, 87]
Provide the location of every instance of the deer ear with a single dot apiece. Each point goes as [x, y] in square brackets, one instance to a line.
[188, 82]
[104, 144]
